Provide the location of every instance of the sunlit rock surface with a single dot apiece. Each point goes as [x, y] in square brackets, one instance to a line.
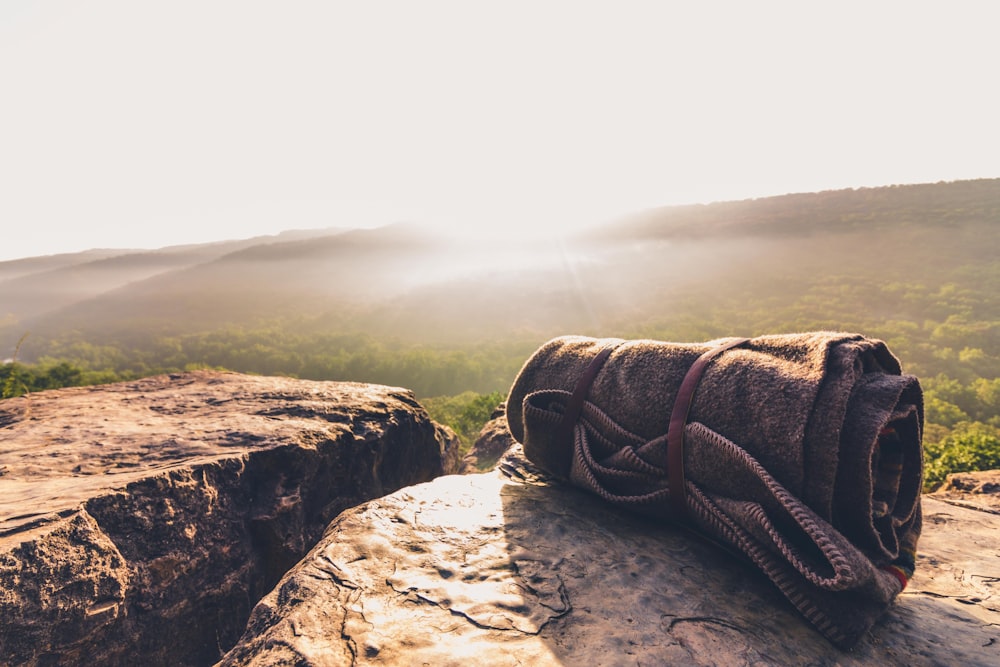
[139, 522]
[507, 568]
[975, 490]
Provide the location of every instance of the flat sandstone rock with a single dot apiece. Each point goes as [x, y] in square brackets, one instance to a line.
[507, 568]
[139, 522]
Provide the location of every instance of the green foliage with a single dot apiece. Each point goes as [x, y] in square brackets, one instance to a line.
[969, 446]
[465, 413]
[962, 433]
[18, 379]
[14, 384]
[284, 349]
[11, 372]
[944, 413]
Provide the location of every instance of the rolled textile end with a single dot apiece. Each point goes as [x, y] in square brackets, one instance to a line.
[806, 454]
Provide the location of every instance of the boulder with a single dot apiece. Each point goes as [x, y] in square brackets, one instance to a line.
[492, 443]
[976, 490]
[451, 453]
[512, 568]
[140, 522]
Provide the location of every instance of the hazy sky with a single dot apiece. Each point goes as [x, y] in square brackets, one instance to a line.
[143, 124]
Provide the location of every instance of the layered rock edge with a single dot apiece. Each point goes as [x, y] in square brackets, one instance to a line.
[141, 521]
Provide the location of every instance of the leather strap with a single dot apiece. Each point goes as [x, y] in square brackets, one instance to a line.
[564, 435]
[678, 420]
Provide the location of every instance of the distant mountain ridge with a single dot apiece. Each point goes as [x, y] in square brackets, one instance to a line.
[34, 286]
[407, 282]
[954, 202]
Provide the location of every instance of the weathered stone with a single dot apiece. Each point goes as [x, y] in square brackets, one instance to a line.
[508, 568]
[139, 522]
[451, 450]
[976, 490]
[492, 443]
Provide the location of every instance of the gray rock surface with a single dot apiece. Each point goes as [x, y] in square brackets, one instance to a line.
[139, 522]
[508, 568]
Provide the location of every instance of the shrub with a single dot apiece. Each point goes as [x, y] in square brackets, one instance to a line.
[465, 413]
[970, 446]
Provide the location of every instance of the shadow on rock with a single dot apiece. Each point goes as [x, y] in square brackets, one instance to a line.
[510, 568]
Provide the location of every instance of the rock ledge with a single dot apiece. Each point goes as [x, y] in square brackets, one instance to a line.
[508, 568]
[139, 522]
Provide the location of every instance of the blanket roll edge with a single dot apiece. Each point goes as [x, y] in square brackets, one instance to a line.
[550, 380]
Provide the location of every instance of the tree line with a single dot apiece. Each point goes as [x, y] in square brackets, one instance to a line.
[460, 387]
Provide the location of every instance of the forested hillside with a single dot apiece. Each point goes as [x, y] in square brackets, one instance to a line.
[915, 265]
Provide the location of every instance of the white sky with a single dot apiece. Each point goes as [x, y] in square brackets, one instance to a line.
[144, 124]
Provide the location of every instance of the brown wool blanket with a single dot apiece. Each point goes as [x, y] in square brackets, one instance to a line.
[800, 452]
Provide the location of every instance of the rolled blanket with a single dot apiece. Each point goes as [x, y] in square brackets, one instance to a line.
[800, 452]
